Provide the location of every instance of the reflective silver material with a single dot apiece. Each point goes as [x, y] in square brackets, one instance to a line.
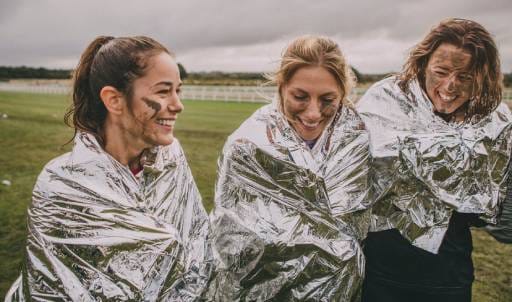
[98, 233]
[288, 219]
[425, 167]
[503, 230]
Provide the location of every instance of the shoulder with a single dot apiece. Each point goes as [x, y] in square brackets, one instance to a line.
[58, 163]
[502, 112]
[378, 92]
[254, 128]
[51, 173]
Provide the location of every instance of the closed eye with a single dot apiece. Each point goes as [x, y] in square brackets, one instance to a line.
[465, 77]
[164, 91]
[300, 97]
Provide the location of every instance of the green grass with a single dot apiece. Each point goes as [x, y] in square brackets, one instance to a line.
[34, 133]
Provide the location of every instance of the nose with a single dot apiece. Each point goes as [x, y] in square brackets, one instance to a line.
[313, 112]
[175, 104]
[451, 83]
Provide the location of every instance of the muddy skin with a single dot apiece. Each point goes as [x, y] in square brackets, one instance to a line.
[458, 63]
[433, 80]
[153, 105]
[459, 113]
[448, 72]
[329, 108]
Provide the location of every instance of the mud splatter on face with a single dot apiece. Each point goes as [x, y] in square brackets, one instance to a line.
[154, 105]
[310, 99]
[329, 107]
[448, 79]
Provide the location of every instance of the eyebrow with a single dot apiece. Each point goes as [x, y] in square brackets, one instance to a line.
[334, 93]
[304, 91]
[166, 83]
[465, 70]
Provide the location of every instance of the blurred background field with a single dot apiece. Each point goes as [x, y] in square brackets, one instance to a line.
[32, 132]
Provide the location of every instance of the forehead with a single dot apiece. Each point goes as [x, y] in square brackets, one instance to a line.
[313, 78]
[161, 68]
[450, 56]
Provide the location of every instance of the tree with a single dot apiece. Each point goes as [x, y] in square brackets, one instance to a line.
[183, 71]
[359, 76]
[507, 79]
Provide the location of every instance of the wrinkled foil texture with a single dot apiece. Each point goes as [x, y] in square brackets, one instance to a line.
[503, 230]
[288, 220]
[425, 168]
[98, 233]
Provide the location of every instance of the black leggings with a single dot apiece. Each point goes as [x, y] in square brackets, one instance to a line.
[375, 291]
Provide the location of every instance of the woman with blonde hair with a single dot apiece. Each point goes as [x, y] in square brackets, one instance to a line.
[292, 188]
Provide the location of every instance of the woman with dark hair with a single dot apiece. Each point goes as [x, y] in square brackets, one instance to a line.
[119, 217]
[292, 188]
[440, 143]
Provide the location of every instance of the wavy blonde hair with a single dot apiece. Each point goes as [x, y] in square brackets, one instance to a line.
[319, 51]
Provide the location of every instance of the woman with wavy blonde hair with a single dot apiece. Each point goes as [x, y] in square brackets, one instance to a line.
[292, 188]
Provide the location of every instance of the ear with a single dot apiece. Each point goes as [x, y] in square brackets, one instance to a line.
[113, 100]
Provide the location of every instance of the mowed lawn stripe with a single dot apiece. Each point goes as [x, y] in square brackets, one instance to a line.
[34, 133]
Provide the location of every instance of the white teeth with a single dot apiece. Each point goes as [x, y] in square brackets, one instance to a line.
[310, 124]
[446, 98]
[166, 122]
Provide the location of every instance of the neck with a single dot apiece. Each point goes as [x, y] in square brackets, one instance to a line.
[457, 116]
[122, 145]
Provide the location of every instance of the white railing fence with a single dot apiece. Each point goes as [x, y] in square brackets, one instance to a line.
[254, 94]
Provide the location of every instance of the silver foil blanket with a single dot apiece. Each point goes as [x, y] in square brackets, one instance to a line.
[288, 220]
[425, 168]
[503, 230]
[98, 233]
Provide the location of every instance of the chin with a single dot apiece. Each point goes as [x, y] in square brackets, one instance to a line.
[445, 109]
[309, 136]
[164, 141]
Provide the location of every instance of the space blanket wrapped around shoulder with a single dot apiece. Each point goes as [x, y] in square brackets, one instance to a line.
[425, 167]
[503, 230]
[288, 219]
[97, 232]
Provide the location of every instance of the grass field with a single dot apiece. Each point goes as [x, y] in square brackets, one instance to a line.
[34, 133]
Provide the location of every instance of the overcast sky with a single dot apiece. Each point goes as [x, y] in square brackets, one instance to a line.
[238, 35]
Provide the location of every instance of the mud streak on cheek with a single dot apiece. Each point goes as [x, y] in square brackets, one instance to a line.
[328, 110]
[432, 80]
[465, 87]
[290, 111]
[154, 105]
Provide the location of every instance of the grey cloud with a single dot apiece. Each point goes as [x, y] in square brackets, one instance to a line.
[40, 32]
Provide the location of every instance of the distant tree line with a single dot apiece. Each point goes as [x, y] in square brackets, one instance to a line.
[24, 72]
[507, 80]
[212, 76]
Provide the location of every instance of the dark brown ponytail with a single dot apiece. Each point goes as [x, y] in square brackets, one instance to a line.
[107, 61]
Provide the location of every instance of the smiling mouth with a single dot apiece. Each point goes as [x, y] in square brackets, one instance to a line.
[446, 98]
[309, 125]
[166, 122]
